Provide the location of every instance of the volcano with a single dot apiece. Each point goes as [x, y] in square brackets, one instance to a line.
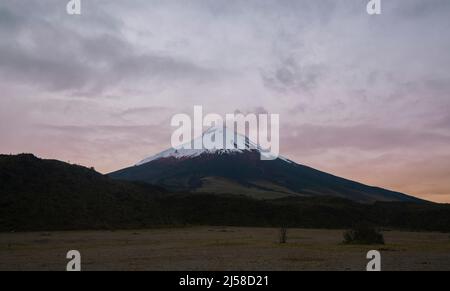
[241, 171]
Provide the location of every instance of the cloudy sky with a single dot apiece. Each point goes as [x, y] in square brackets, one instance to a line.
[364, 97]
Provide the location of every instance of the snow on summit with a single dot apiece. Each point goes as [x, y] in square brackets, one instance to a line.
[233, 142]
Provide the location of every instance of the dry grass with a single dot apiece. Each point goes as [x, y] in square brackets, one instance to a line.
[219, 248]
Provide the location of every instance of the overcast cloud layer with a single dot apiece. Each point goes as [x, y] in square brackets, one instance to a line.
[364, 97]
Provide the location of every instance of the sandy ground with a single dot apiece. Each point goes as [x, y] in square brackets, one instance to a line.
[219, 248]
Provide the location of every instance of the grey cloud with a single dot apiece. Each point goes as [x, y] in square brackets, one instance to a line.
[289, 75]
[254, 110]
[8, 21]
[441, 121]
[143, 110]
[317, 138]
[136, 130]
[157, 66]
[66, 58]
[297, 109]
[46, 71]
[108, 138]
[158, 115]
[107, 64]
[420, 8]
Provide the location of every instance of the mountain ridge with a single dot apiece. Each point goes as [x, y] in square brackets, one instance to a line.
[243, 171]
[45, 195]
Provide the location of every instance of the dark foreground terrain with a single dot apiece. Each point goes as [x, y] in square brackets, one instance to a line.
[45, 195]
[219, 248]
[48, 207]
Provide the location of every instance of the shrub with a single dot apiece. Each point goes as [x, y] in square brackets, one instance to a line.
[283, 235]
[365, 235]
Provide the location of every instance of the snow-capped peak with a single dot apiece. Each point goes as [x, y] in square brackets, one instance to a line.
[206, 144]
